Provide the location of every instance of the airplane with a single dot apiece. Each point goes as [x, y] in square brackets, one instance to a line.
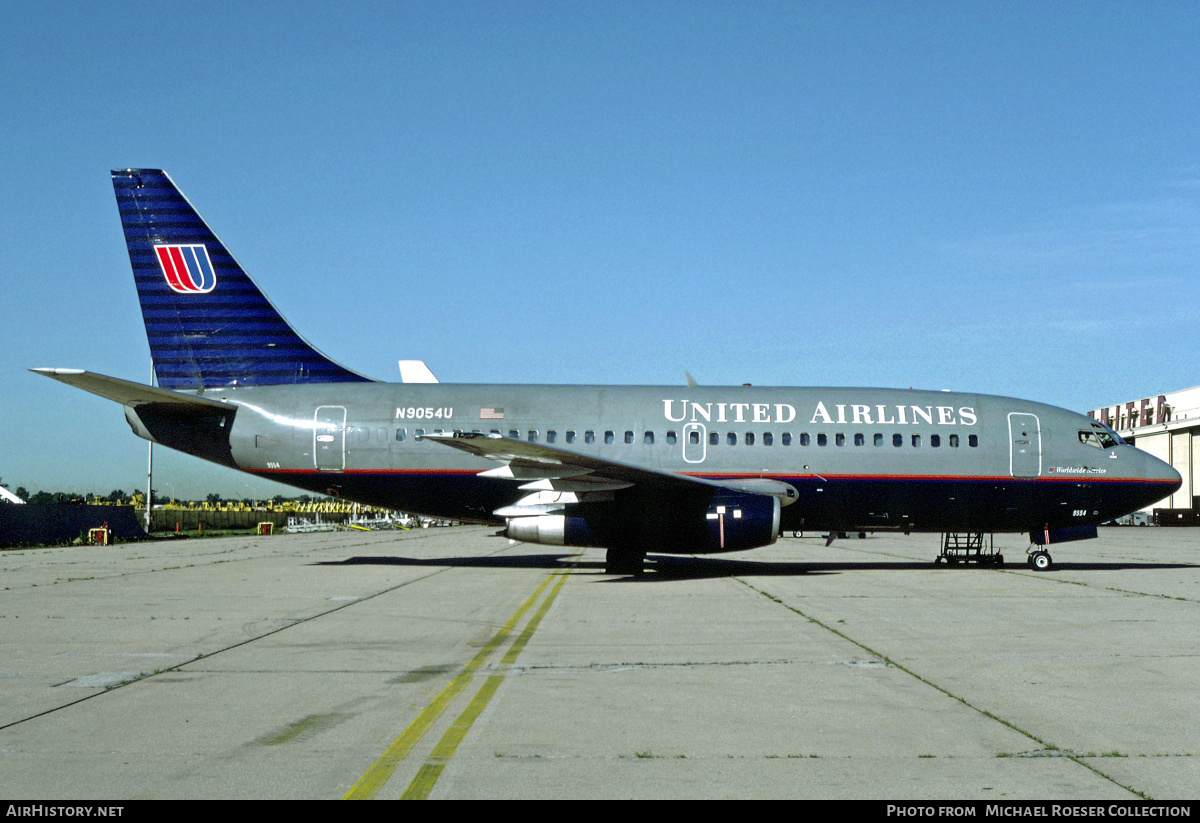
[630, 469]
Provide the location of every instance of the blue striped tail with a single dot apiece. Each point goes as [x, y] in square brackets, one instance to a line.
[209, 325]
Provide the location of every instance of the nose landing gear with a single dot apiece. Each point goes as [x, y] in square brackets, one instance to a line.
[1040, 561]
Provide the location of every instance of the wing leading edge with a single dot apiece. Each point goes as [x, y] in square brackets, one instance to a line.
[579, 500]
[548, 468]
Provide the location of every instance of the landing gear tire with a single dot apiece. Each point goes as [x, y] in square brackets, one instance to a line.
[1040, 562]
[624, 561]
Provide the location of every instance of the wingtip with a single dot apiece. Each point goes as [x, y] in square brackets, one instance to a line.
[51, 372]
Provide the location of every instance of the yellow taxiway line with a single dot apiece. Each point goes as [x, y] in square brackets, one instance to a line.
[369, 785]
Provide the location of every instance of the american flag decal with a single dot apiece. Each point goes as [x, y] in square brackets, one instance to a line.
[491, 413]
[187, 268]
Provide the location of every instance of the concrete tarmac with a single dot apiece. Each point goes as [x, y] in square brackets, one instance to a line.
[445, 663]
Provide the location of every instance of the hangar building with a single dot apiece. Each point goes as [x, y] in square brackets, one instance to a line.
[1168, 427]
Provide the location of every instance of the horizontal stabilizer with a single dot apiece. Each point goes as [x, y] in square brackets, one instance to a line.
[128, 393]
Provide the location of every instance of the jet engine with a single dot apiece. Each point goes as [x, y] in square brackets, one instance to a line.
[728, 521]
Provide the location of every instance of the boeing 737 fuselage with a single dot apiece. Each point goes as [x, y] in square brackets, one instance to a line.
[627, 468]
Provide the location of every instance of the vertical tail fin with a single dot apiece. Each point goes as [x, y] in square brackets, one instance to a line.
[208, 323]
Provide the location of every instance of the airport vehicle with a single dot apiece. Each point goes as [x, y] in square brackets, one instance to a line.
[631, 469]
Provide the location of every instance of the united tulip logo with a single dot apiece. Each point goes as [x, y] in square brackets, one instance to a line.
[187, 268]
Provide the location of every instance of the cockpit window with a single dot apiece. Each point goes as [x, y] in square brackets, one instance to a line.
[1100, 438]
[1108, 437]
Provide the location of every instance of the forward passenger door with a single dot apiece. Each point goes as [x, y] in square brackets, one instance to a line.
[1025, 444]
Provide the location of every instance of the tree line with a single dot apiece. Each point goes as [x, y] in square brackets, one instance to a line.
[118, 497]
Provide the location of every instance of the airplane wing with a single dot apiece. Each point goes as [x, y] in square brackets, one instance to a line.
[548, 468]
[129, 393]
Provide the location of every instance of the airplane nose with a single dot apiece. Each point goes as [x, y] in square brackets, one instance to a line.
[1171, 475]
[1161, 475]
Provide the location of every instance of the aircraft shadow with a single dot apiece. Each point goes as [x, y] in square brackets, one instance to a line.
[664, 568]
[523, 561]
[667, 567]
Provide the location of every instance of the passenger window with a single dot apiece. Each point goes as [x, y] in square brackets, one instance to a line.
[551, 436]
[860, 439]
[671, 438]
[609, 438]
[514, 434]
[749, 438]
[713, 438]
[533, 435]
[804, 439]
[418, 434]
[589, 437]
[786, 439]
[822, 439]
[694, 437]
[897, 440]
[973, 441]
[768, 439]
[731, 439]
[401, 434]
[878, 439]
[839, 439]
[935, 440]
[954, 441]
[628, 437]
[648, 438]
[916, 441]
[570, 436]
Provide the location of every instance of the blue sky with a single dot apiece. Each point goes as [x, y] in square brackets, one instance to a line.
[996, 197]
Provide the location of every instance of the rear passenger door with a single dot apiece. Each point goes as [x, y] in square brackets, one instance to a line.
[329, 438]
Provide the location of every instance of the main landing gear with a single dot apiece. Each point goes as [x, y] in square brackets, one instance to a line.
[624, 561]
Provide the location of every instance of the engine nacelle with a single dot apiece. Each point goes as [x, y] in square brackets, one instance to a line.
[550, 529]
[729, 521]
[739, 521]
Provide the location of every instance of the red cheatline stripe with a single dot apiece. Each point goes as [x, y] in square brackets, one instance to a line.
[778, 475]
